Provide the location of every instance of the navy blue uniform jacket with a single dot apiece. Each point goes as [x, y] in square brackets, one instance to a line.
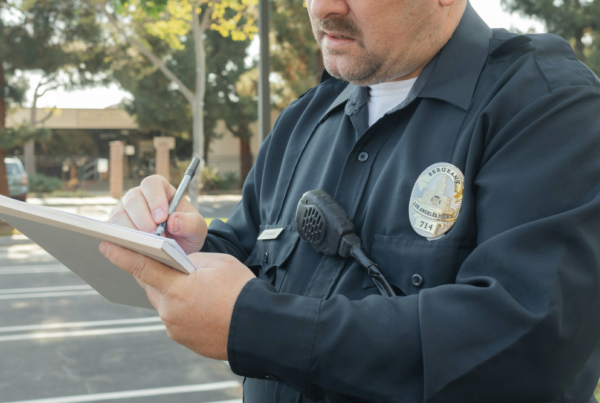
[509, 307]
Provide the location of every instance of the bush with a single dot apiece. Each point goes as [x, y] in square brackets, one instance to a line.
[39, 183]
[214, 180]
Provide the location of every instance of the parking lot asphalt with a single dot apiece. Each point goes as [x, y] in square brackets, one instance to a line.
[61, 342]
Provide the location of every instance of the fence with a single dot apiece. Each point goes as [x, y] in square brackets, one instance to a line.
[87, 175]
[82, 174]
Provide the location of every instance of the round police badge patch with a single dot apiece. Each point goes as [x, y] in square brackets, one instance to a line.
[436, 200]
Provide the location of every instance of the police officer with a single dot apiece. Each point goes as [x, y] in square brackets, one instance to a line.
[469, 162]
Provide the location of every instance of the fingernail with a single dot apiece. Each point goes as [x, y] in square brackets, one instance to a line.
[103, 248]
[158, 214]
[176, 224]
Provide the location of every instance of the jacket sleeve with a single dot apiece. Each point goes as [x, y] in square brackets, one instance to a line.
[238, 236]
[522, 317]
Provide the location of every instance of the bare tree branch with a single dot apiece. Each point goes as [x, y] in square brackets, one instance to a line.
[230, 128]
[206, 19]
[189, 95]
[48, 116]
[48, 89]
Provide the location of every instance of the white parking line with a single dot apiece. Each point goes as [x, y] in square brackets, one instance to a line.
[44, 289]
[34, 269]
[82, 333]
[48, 294]
[63, 325]
[142, 393]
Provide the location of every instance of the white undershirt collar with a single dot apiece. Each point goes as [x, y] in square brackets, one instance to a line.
[386, 96]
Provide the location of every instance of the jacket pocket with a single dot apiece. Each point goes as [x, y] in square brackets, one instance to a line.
[411, 264]
[268, 259]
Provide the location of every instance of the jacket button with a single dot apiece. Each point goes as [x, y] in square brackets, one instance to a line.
[417, 280]
[271, 377]
[266, 258]
[363, 157]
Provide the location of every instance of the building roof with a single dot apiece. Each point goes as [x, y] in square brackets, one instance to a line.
[75, 118]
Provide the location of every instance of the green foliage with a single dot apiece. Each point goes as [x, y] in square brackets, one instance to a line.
[160, 108]
[47, 36]
[224, 98]
[39, 183]
[153, 8]
[214, 180]
[69, 142]
[52, 36]
[171, 19]
[296, 58]
[157, 105]
[578, 21]
[211, 177]
[19, 136]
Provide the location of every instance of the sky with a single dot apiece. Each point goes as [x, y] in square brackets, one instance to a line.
[102, 97]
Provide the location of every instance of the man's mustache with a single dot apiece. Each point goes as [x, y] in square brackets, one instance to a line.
[342, 26]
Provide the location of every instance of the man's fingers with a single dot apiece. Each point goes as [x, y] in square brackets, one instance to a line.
[147, 270]
[138, 211]
[157, 192]
[186, 224]
[154, 296]
[118, 216]
[203, 260]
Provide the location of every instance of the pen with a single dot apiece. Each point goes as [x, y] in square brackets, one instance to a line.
[187, 177]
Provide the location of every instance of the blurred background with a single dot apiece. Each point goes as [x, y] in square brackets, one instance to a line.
[80, 74]
[97, 95]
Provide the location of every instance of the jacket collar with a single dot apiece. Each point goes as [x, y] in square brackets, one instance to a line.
[456, 68]
[452, 74]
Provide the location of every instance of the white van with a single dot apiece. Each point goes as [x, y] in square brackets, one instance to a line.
[18, 185]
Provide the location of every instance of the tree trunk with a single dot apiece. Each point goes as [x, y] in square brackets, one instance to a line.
[206, 149]
[579, 46]
[198, 29]
[196, 100]
[246, 158]
[4, 191]
[29, 147]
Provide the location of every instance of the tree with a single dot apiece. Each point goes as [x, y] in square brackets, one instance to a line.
[47, 83]
[47, 36]
[578, 21]
[159, 107]
[296, 57]
[169, 20]
[227, 97]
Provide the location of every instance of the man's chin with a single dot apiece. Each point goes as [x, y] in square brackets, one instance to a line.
[361, 77]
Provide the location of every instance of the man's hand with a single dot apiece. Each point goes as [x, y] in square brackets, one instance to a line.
[195, 308]
[147, 205]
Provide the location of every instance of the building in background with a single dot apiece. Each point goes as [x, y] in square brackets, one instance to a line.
[78, 151]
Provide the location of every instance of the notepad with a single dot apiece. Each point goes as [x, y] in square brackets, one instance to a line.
[73, 240]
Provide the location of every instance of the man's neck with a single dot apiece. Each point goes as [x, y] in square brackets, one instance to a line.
[451, 21]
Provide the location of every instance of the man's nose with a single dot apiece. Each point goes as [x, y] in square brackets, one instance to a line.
[326, 9]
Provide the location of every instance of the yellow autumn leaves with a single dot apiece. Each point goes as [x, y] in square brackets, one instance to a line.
[235, 18]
